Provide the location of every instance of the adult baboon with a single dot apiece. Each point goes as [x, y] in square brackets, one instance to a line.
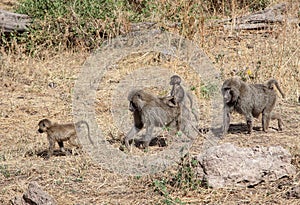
[149, 112]
[60, 133]
[250, 100]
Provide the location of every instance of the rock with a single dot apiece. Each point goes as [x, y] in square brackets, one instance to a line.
[34, 195]
[227, 165]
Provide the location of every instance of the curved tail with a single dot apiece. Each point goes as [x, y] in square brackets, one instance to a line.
[191, 103]
[88, 128]
[270, 86]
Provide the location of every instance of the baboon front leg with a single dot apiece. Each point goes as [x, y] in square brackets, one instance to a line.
[249, 123]
[133, 131]
[226, 120]
[265, 121]
[51, 148]
[148, 137]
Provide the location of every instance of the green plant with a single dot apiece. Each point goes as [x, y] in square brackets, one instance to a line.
[65, 24]
[161, 187]
[258, 5]
[208, 90]
[186, 176]
[185, 179]
[4, 171]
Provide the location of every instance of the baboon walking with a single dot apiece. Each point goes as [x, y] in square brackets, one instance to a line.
[149, 112]
[60, 133]
[250, 100]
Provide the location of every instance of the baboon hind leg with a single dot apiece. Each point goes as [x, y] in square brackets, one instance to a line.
[276, 116]
[61, 146]
[74, 141]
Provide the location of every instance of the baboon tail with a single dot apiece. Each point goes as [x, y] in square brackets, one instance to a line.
[270, 86]
[192, 107]
[83, 122]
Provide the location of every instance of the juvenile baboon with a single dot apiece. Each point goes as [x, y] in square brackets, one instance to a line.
[60, 133]
[178, 95]
[149, 112]
[250, 100]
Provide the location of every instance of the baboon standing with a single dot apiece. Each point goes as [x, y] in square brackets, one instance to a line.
[250, 100]
[60, 133]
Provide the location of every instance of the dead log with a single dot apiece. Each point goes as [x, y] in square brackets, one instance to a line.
[260, 20]
[13, 22]
[256, 21]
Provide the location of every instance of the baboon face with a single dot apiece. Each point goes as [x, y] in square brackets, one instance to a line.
[149, 111]
[44, 125]
[175, 79]
[226, 94]
[230, 90]
[132, 106]
[135, 100]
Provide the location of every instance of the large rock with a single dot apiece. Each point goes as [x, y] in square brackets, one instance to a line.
[34, 195]
[227, 165]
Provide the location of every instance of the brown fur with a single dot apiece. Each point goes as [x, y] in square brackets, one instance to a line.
[60, 133]
[178, 95]
[149, 112]
[250, 100]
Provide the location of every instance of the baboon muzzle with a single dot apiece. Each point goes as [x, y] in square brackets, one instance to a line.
[132, 107]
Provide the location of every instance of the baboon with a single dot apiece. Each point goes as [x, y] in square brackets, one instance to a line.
[149, 112]
[60, 133]
[178, 95]
[250, 100]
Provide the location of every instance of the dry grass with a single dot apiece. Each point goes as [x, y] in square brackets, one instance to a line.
[26, 98]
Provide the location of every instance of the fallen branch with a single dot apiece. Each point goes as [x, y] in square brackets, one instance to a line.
[256, 21]
[13, 22]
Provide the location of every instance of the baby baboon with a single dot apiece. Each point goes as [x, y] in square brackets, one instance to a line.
[177, 91]
[250, 100]
[149, 112]
[60, 133]
[178, 94]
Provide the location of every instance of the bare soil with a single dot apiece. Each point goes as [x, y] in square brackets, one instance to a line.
[26, 98]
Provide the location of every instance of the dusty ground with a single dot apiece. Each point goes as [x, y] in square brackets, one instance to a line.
[26, 97]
